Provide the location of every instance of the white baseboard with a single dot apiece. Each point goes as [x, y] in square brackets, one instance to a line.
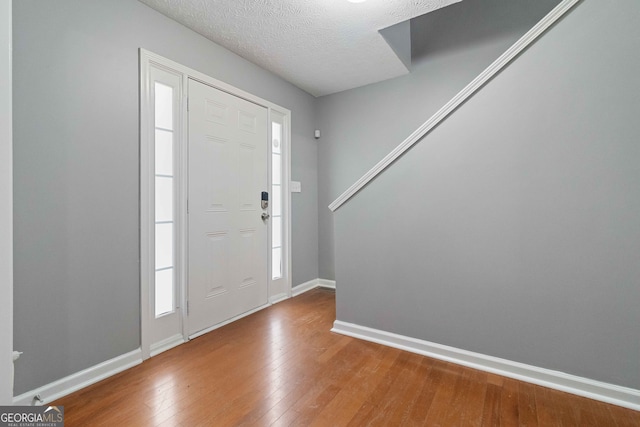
[75, 382]
[597, 390]
[312, 284]
[304, 287]
[328, 284]
[166, 344]
[278, 298]
[85, 378]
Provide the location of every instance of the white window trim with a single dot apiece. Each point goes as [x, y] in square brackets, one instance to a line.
[147, 217]
[285, 179]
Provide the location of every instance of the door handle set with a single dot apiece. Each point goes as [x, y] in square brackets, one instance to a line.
[264, 204]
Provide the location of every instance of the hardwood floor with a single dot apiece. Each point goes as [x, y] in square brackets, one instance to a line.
[282, 367]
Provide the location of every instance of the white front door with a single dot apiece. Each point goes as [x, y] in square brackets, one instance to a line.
[228, 239]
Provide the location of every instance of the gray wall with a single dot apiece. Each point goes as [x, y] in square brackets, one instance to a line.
[6, 209]
[451, 46]
[513, 228]
[76, 174]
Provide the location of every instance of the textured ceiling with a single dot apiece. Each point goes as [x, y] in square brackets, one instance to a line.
[321, 46]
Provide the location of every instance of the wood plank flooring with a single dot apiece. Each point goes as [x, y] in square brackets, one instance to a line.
[282, 367]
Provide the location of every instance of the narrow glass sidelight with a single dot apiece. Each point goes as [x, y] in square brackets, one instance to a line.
[276, 200]
[164, 199]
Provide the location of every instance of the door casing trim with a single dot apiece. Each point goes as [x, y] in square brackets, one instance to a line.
[147, 60]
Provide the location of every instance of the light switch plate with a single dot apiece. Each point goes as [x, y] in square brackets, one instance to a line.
[296, 187]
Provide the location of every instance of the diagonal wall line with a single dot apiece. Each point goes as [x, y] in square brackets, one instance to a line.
[493, 69]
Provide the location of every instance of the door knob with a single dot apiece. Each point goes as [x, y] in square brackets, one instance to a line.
[265, 216]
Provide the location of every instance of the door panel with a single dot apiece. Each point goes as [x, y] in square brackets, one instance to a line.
[228, 240]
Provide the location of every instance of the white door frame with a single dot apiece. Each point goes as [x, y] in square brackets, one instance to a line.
[280, 289]
[147, 225]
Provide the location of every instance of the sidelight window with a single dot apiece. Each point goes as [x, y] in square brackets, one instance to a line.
[276, 200]
[164, 203]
